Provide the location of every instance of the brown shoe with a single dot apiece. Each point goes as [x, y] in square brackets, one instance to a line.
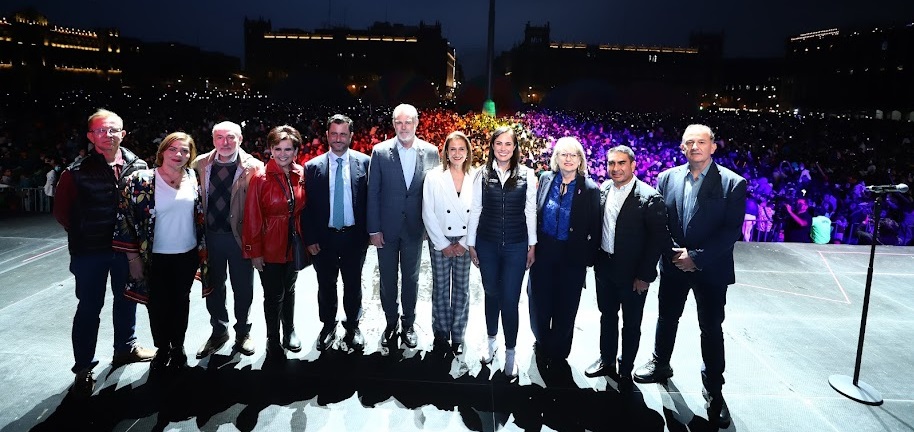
[245, 345]
[83, 385]
[213, 344]
[136, 354]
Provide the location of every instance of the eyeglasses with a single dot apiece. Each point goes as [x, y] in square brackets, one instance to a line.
[106, 131]
[568, 155]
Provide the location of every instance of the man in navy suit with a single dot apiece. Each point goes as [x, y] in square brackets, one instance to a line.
[395, 227]
[705, 205]
[336, 183]
[634, 235]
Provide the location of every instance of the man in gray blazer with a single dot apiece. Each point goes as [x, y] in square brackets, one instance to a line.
[395, 228]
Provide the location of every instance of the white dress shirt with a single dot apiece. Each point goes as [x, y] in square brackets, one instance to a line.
[615, 198]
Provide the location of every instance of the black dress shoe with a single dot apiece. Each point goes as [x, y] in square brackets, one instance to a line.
[160, 361]
[601, 368]
[291, 342]
[389, 335]
[354, 339]
[275, 354]
[626, 385]
[653, 372]
[326, 337]
[718, 411]
[178, 359]
[409, 337]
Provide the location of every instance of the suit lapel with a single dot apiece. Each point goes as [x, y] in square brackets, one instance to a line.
[678, 182]
[450, 192]
[323, 168]
[466, 194]
[395, 156]
[708, 185]
[353, 175]
[604, 192]
[544, 185]
[630, 199]
[420, 163]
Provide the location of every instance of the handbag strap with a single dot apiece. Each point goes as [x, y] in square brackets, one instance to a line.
[290, 197]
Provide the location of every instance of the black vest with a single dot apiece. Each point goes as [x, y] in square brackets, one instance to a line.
[94, 210]
[502, 219]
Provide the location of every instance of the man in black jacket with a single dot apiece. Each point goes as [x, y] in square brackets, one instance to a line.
[634, 234]
[86, 206]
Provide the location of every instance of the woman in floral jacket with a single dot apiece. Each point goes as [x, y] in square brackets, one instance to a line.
[164, 204]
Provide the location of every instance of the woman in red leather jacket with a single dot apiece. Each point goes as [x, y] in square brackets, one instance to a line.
[274, 195]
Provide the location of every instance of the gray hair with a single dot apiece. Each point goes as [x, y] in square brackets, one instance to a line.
[573, 144]
[699, 128]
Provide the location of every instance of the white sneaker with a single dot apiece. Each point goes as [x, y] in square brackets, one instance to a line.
[509, 363]
[490, 353]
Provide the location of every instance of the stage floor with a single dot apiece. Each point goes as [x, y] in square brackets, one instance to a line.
[793, 320]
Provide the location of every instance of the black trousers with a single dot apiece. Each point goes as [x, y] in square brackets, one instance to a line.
[611, 297]
[710, 301]
[170, 280]
[554, 293]
[342, 254]
[278, 282]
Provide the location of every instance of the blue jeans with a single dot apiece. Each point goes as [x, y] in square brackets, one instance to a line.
[502, 268]
[91, 271]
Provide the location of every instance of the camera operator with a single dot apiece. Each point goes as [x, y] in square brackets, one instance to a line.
[799, 222]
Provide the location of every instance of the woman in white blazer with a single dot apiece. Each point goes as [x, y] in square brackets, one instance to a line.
[447, 196]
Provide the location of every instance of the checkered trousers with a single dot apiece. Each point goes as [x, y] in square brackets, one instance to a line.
[450, 293]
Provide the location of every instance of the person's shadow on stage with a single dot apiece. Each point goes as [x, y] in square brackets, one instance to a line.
[216, 392]
[678, 415]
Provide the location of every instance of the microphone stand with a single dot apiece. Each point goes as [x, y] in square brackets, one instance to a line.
[854, 388]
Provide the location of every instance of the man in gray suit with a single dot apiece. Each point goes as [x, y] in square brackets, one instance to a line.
[395, 228]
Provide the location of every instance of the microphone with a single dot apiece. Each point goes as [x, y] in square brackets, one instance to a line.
[900, 188]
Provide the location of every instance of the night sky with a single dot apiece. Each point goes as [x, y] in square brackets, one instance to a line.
[751, 31]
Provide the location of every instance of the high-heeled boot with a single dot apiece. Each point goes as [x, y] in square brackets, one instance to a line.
[290, 340]
[271, 314]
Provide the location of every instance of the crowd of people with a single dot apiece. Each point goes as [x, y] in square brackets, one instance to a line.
[824, 161]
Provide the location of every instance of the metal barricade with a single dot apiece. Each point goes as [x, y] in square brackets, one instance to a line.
[34, 200]
[751, 229]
